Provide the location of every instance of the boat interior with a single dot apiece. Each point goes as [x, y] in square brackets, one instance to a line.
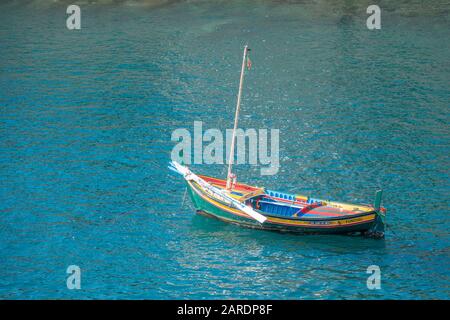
[286, 205]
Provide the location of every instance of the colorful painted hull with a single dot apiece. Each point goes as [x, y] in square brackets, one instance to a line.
[332, 218]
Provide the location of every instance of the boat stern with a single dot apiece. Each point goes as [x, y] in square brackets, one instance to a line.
[378, 228]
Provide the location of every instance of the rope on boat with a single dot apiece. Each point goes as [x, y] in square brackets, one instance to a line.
[184, 198]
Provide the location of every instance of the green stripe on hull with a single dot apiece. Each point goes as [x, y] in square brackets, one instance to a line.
[202, 205]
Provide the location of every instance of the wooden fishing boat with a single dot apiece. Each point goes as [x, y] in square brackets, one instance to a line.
[258, 207]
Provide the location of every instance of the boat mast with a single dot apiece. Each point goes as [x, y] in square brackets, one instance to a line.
[236, 116]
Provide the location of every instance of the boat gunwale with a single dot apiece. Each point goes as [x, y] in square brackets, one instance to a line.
[369, 208]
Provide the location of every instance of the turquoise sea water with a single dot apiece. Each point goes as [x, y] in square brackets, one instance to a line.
[86, 119]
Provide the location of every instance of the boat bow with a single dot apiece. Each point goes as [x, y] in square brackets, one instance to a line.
[189, 176]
